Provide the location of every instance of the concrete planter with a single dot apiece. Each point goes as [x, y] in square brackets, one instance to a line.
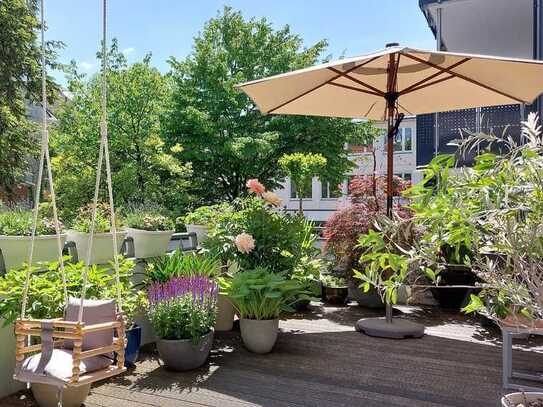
[149, 243]
[521, 399]
[15, 249]
[7, 361]
[102, 245]
[46, 395]
[225, 314]
[181, 355]
[201, 232]
[259, 336]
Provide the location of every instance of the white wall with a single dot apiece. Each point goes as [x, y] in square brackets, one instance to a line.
[320, 209]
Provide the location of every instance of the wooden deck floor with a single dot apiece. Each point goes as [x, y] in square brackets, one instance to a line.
[320, 361]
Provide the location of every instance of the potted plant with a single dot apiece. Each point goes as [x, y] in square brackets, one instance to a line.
[522, 399]
[182, 312]
[15, 237]
[150, 230]
[334, 289]
[202, 219]
[47, 302]
[102, 246]
[367, 196]
[307, 273]
[259, 297]
[134, 303]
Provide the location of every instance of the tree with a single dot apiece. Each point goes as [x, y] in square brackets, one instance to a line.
[301, 168]
[143, 168]
[20, 80]
[224, 136]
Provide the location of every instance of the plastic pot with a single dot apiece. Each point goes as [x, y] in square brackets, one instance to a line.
[46, 395]
[15, 249]
[259, 336]
[102, 245]
[149, 243]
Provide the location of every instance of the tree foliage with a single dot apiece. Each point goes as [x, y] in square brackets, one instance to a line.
[143, 168]
[20, 81]
[223, 134]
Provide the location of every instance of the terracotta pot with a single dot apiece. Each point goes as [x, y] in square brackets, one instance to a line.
[149, 243]
[184, 354]
[259, 336]
[46, 395]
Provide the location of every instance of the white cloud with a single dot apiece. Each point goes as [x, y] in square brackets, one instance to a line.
[85, 66]
[128, 51]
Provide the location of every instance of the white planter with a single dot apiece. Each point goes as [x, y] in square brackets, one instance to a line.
[200, 230]
[259, 336]
[46, 395]
[514, 399]
[15, 249]
[149, 243]
[225, 314]
[7, 361]
[102, 245]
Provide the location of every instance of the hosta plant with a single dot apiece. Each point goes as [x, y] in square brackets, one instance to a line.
[262, 295]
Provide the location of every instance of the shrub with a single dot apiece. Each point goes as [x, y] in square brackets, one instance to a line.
[46, 296]
[18, 222]
[265, 237]
[83, 219]
[183, 307]
[147, 218]
[260, 294]
[207, 215]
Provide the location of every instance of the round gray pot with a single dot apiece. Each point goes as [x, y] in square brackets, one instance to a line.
[259, 336]
[183, 354]
[46, 395]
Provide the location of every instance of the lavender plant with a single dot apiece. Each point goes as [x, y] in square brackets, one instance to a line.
[183, 307]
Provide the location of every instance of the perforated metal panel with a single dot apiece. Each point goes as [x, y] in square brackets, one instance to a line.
[425, 138]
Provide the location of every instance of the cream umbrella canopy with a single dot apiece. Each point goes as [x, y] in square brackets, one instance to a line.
[395, 81]
[389, 84]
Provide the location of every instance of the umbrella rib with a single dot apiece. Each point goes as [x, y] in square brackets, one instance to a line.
[355, 89]
[320, 85]
[416, 85]
[467, 79]
[358, 81]
[428, 84]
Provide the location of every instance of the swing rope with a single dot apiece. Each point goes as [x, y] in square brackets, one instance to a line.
[44, 158]
[103, 153]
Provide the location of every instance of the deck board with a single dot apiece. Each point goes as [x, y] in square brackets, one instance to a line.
[320, 361]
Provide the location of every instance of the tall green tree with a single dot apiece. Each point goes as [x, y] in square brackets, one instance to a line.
[144, 168]
[223, 134]
[20, 81]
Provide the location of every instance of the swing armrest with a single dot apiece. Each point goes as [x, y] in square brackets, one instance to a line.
[101, 327]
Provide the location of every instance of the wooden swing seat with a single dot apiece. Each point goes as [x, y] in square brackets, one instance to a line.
[75, 332]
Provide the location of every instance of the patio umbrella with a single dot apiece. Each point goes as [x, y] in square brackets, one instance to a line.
[391, 83]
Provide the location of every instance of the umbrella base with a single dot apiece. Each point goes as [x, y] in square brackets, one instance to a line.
[397, 329]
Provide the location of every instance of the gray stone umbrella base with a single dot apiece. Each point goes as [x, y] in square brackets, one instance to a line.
[396, 329]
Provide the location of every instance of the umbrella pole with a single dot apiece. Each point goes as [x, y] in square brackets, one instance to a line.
[388, 327]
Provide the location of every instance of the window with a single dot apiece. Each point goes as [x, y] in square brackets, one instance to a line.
[307, 191]
[330, 190]
[406, 176]
[403, 141]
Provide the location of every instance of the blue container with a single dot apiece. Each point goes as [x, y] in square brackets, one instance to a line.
[133, 343]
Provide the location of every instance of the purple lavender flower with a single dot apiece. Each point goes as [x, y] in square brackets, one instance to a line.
[202, 290]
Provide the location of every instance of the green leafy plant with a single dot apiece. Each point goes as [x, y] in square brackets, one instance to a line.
[180, 264]
[83, 219]
[147, 217]
[207, 215]
[260, 294]
[333, 281]
[46, 296]
[281, 240]
[18, 222]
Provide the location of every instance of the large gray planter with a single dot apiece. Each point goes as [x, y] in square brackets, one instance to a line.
[46, 395]
[524, 399]
[181, 355]
[259, 336]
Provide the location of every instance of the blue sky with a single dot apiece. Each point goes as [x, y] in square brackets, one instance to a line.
[167, 27]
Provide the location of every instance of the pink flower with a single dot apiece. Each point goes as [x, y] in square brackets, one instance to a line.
[272, 199]
[245, 243]
[255, 186]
